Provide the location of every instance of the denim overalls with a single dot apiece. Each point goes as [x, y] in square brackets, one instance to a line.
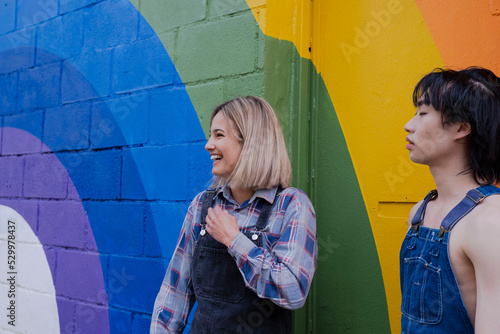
[225, 304]
[432, 302]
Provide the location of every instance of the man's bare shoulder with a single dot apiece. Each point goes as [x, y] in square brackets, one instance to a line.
[488, 212]
[483, 225]
[413, 211]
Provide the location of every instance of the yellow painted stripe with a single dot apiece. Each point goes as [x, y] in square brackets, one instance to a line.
[286, 20]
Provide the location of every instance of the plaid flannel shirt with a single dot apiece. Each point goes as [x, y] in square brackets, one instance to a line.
[281, 271]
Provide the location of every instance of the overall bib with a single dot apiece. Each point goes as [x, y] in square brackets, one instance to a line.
[432, 302]
[225, 304]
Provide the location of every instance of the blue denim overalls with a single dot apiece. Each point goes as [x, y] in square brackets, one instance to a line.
[225, 304]
[432, 302]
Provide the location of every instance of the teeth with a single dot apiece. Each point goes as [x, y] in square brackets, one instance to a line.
[216, 157]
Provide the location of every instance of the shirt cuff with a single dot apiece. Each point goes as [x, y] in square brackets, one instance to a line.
[240, 247]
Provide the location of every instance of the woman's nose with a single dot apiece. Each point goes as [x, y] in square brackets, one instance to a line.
[209, 146]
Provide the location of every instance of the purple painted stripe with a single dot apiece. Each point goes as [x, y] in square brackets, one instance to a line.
[76, 274]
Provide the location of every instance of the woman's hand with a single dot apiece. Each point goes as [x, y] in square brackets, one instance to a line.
[221, 225]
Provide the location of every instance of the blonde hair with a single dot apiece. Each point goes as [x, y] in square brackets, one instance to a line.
[263, 162]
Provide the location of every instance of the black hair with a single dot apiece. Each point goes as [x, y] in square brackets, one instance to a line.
[473, 96]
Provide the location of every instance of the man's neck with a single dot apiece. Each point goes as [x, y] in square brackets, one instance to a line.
[451, 182]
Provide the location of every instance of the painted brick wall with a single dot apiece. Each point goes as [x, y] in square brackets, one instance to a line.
[216, 46]
[101, 151]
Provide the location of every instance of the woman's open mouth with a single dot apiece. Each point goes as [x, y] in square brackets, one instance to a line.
[216, 157]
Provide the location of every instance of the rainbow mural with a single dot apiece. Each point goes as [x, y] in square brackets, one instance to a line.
[104, 110]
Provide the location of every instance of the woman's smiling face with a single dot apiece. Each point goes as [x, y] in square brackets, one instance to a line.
[224, 147]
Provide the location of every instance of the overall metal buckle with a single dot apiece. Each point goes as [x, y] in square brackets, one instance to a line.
[416, 226]
[480, 198]
[442, 231]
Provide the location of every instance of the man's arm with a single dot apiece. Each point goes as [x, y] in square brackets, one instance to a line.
[413, 211]
[483, 249]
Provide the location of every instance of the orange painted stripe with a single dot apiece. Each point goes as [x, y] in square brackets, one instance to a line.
[466, 32]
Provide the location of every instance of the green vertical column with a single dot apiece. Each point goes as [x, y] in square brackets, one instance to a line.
[287, 80]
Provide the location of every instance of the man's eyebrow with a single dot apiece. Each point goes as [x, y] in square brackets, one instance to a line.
[420, 103]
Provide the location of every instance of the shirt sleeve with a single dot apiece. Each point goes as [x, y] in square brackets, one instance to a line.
[176, 297]
[282, 273]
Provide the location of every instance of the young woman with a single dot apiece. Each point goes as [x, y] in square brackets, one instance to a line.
[247, 250]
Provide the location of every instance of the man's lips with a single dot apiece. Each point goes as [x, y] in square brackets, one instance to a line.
[410, 143]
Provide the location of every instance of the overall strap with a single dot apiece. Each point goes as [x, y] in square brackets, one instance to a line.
[208, 201]
[470, 201]
[266, 211]
[418, 217]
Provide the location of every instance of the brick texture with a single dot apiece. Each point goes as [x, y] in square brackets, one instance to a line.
[33, 12]
[123, 221]
[7, 15]
[219, 48]
[67, 127]
[60, 38]
[12, 170]
[45, 177]
[8, 83]
[167, 14]
[17, 47]
[26, 122]
[103, 118]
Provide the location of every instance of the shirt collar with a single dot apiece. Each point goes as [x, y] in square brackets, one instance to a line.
[267, 194]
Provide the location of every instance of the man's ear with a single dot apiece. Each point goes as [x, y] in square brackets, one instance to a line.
[463, 130]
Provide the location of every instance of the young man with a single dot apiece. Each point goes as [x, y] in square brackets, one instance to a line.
[450, 258]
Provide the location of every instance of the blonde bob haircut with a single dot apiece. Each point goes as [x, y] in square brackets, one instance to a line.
[263, 162]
